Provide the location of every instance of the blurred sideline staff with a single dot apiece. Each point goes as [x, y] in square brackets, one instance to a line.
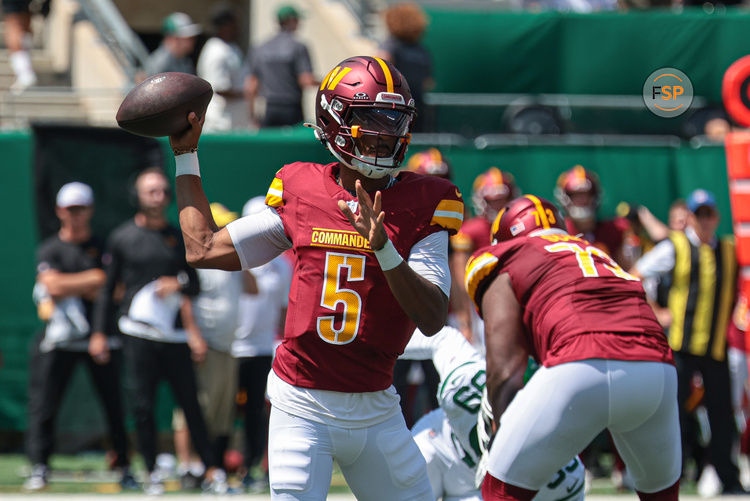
[69, 277]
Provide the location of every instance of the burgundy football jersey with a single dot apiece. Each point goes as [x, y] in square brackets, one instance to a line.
[577, 302]
[607, 235]
[473, 235]
[344, 328]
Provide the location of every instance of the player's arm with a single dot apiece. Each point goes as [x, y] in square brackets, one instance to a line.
[507, 354]
[83, 283]
[205, 245]
[460, 302]
[423, 301]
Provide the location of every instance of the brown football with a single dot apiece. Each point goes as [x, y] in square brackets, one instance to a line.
[159, 105]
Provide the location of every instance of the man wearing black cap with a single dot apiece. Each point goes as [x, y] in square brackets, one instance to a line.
[691, 279]
[280, 69]
[69, 276]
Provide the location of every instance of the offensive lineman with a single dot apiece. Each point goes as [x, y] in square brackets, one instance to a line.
[448, 436]
[606, 362]
[370, 264]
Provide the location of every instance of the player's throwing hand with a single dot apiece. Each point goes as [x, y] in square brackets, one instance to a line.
[369, 221]
[188, 140]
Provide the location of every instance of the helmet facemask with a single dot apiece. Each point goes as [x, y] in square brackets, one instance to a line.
[371, 140]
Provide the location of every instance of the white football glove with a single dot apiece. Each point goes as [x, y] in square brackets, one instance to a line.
[485, 433]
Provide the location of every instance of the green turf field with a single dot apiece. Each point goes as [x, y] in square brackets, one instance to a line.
[88, 474]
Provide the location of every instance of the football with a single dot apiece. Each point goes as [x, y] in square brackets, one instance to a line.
[159, 105]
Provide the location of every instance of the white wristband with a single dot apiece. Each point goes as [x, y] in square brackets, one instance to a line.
[388, 257]
[187, 164]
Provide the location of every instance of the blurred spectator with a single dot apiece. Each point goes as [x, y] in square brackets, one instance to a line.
[262, 314]
[69, 276]
[147, 255]
[492, 190]
[280, 69]
[716, 129]
[579, 192]
[216, 311]
[180, 33]
[406, 23]
[691, 279]
[645, 230]
[221, 64]
[17, 34]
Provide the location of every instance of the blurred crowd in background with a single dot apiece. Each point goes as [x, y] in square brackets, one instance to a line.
[219, 329]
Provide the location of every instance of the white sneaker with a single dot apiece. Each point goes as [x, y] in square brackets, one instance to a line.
[154, 485]
[217, 484]
[37, 480]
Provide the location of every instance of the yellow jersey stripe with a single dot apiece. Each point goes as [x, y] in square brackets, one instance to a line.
[678, 294]
[704, 305]
[449, 223]
[335, 81]
[476, 270]
[275, 194]
[540, 210]
[450, 205]
[387, 73]
[726, 296]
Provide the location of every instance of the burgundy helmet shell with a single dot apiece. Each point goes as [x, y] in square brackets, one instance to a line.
[524, 215]
[430, 163]
[492, 184]
[578, 180]
[364, 113]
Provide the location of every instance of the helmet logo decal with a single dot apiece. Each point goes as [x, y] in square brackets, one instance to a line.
[361, 96]
[327, 78]
[333, 77]
[388, 76]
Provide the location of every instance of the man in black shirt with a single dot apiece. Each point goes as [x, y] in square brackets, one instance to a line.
[69, 276]
[147, 256]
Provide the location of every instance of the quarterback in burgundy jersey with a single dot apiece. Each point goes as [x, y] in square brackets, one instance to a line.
[360, 345]
[606, 363]
[370, 250]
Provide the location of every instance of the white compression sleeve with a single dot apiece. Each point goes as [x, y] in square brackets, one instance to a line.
[258, 238]
[429, 258]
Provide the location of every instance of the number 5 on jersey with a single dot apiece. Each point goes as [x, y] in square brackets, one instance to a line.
[333, 295]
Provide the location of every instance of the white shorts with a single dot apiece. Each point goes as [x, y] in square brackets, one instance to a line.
[562, 408]
[452, 477]
[380, 461]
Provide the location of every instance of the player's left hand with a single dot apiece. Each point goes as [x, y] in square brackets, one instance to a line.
[166, 286]
[369, 221]
[198, 347]
[188, 140]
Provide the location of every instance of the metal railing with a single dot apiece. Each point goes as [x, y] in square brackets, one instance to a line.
[125, 45]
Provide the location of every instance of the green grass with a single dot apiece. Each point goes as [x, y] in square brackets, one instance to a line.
[88, 473]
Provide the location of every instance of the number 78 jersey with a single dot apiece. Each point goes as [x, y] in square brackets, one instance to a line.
[344, 328]
[576, 302]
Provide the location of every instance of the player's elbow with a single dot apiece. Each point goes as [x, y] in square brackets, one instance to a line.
[434, 320]
[197, 256]
[432, 328]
